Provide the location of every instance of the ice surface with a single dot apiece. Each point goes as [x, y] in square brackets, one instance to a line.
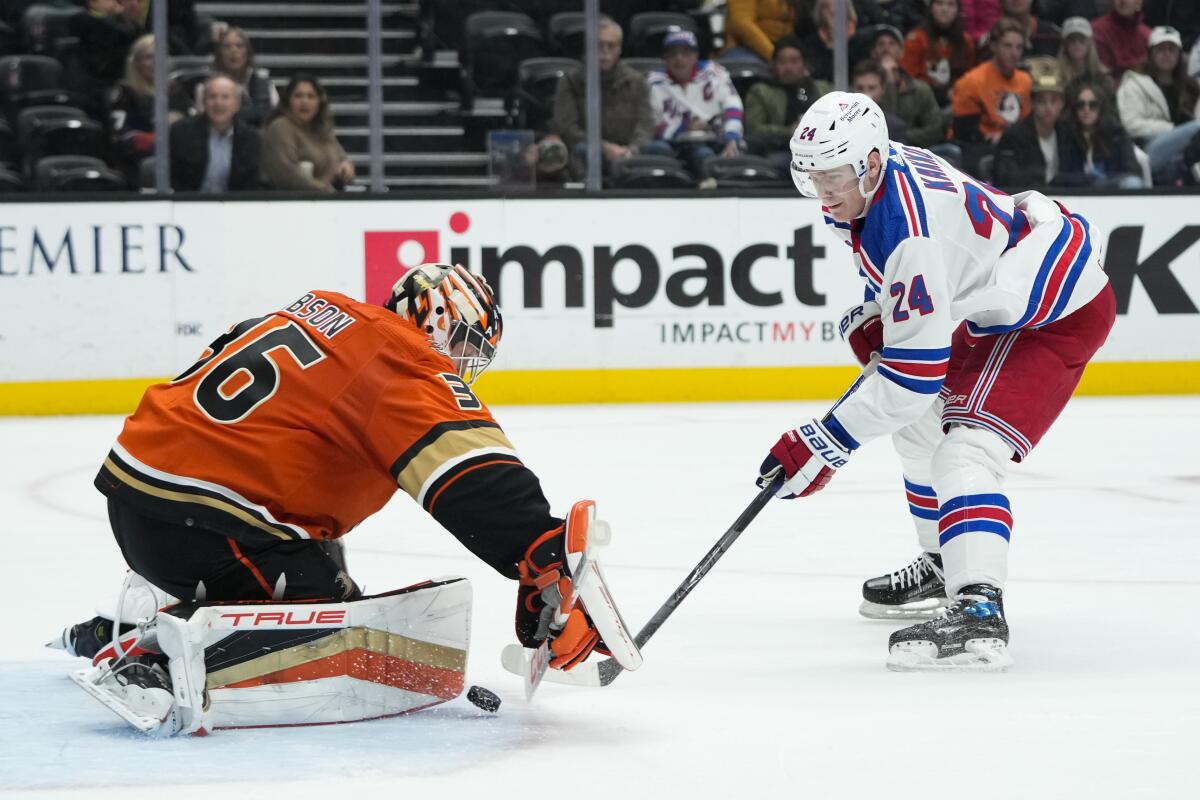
[765, 680]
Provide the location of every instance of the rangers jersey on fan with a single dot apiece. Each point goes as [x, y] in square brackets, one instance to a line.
[302, 423]
[936, 247]
[709, 96]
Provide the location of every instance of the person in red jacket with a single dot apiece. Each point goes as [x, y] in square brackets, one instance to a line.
[1121, 37]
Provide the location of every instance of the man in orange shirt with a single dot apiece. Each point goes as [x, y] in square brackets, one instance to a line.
[994, 94]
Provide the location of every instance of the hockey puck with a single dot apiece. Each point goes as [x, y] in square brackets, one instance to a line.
[484, 698]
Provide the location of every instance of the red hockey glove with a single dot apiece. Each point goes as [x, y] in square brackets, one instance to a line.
[862, 328]
[546, 605]
[808, 457]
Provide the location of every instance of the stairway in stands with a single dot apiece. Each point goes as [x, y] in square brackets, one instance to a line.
[429, 142]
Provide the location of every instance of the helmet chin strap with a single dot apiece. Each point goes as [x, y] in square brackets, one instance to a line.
[868, 195]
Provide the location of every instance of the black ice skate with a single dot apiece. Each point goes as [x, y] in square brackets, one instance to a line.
[917, 591]
[136, 688]
[86, 639]
[969, 635]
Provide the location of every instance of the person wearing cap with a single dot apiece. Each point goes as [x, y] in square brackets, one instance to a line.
[1159, 104]
[753, 26]
[1121, 37]
[697, 110]
[626, 124]
[909, 99]
[774, 107]
[939, 51]
[1041, 38]
[1077, 57]
[1027, 155]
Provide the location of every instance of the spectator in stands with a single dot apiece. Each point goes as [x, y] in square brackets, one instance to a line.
[1058, 11]
[697, 109]
[869, 78]
[1041, 37]
[1121, 37]
[1159, 104]
[1191, 160]
[1182, 15]
[774, 107]
[818, 45]
[979, 16]
[234, 56]
[1027, 155]
[909, 99]
[1095, 151]
[1193, 64]
[994, 94]
[753, 26]
[300, 150]
[215, 152]
[105, 34]
[1077, 57]
[626, 122]
[130, 108]
[939, 51]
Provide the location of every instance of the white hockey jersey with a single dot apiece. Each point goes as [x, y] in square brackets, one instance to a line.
[709, 95]
[937, 247]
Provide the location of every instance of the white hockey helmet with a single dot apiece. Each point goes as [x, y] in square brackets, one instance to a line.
[456, 309]
[840, 128]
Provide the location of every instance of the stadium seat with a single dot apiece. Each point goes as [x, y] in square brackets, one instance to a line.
[10, 41]
[88, 179]
[147, 170]
[8, 144]
[10, 181]
[537, 81]
[497, 41]
[566, 30]
[745, 73]
[50, 168]
[650, 172]
[643, 65]
[78, 137]
[743, 172]
[646, 31]
[43, 25]
[21, 76]
[29, 120]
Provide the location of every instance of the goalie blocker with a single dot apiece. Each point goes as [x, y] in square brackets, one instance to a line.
[266, 664]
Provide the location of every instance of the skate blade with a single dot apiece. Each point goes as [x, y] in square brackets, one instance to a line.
[979, 655]
[917, 609]
[86, 679]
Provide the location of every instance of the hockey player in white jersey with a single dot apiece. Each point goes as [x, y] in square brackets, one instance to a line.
[980, 312]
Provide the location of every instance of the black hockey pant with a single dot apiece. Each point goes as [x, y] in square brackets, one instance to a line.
[178, 559]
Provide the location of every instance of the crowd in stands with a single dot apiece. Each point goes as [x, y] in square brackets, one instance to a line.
[1026, 93]
[1062, 92]
[230, 128]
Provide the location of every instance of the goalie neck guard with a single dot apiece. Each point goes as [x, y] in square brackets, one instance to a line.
[456, 309]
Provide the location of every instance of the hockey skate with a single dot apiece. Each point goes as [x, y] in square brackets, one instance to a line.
[969, 635]
[917, 591]
[137, 689]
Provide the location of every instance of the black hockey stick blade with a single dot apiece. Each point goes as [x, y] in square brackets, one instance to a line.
[602, 673]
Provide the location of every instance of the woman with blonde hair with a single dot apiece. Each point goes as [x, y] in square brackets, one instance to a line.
[300, 150]
[233, 55]
[130, 108]
[1077, 56]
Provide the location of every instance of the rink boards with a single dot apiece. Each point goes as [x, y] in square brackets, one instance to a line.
[615, 300]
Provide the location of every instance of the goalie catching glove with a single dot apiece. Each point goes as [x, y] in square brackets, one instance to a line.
[563, 597]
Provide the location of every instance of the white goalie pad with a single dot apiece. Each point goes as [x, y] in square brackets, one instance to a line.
[264, 665]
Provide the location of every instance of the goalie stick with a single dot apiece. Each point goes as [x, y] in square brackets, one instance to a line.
[602, 673]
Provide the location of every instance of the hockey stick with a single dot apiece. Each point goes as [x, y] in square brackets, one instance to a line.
[602, 673]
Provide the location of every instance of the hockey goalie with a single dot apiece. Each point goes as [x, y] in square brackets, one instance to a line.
[230, 487]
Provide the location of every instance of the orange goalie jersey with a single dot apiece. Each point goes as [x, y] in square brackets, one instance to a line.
[304, 422]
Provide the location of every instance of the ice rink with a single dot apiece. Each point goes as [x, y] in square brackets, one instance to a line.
[766, 680]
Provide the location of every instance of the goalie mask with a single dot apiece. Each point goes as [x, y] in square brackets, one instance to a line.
[456, 310]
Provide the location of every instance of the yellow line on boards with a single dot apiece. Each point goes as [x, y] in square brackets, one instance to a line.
[540, 387]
